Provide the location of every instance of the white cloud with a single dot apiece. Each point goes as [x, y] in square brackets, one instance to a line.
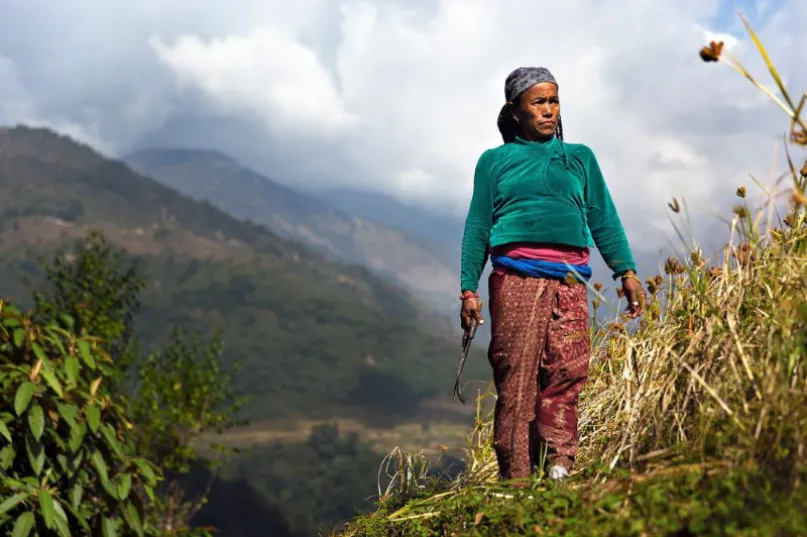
[266, 72]
[402, 96]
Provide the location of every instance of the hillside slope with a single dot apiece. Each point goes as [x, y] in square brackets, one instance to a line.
[242, 192]
[316, 334]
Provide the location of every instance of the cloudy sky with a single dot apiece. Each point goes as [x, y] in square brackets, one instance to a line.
[402, 95]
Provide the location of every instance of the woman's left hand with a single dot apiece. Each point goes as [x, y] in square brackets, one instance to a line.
[634, 292]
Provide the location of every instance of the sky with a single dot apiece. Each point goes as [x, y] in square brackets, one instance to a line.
[401, 96]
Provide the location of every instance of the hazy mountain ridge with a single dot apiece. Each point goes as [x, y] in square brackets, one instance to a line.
[398, 255]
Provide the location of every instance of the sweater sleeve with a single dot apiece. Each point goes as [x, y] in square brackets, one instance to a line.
[477, 224]
[603, 220]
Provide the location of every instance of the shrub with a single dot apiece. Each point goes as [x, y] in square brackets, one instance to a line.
[65, 444]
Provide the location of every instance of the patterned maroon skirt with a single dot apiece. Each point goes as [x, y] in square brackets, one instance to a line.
[539, 350]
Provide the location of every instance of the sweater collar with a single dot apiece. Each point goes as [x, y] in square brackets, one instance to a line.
[552, 148]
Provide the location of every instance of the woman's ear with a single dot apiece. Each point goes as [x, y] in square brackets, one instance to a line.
[513, 109]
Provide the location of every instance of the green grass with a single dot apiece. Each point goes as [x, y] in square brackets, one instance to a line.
[688, 501]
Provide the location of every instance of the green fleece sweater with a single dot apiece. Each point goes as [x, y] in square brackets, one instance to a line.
[541, 192]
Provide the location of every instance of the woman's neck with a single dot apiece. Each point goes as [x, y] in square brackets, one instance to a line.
[532, 137]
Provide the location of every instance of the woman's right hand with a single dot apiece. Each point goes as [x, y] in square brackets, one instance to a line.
[471, 309]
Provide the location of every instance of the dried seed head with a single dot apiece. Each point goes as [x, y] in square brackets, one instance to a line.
[798, 199]
[570, 279]
[597, 286]
[798, 136]
[803, 170]
[790, 221]
[712, 52]
[674, 207]
[673, 266]
[714, 272]
[617, 327]
[741, 192]
[620, 292]
[741, 211]
[744, 254]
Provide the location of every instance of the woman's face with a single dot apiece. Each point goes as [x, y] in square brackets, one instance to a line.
[537, 111]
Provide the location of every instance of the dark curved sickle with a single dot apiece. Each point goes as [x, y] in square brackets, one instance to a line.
[467, 337]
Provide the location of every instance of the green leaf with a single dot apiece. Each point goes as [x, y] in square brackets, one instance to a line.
[80, 518]
[146, 470]
[93, 414]
[36, 455]
[109, 434]
[76, 438]
[53, 382]
[23, 396]
[108, 527]
[39, 353]
[100, 464]
[86, 353]
[61, 523]
[76, 493]
[69, 413]
[75, 463]
[4, 432]
[23, 525]
[12, 502]
[72, 367]
[124, 486]
[132, 517]
[19, 337]
[36, 421]
[7, 455]
[46, 507]
[66, 320]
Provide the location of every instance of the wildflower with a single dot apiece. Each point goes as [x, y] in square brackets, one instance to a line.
[741, 192]
[712, 52]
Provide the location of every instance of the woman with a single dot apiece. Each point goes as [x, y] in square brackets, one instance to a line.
[538, 204]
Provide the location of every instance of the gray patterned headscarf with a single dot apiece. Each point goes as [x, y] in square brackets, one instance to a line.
[524, 78]
[517, 82]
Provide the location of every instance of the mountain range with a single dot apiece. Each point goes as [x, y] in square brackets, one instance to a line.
[327, 223]
[317, 335]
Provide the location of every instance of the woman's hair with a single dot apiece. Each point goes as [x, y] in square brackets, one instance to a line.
[509, 129]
